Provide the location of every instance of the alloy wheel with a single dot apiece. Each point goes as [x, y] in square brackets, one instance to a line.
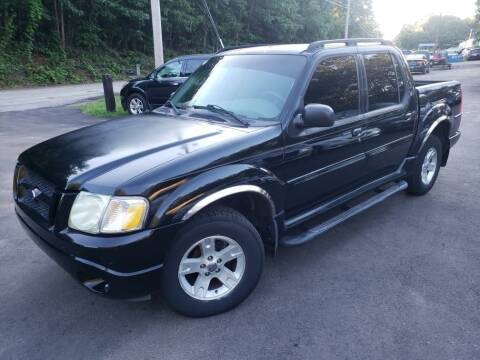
[211, 268]
[429, 166]
[136, 106]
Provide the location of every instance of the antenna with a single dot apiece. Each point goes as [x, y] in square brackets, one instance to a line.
[213, 24]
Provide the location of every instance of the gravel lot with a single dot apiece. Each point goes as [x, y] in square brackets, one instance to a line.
[399, 281]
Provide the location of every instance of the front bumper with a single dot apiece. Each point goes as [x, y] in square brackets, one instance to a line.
[125, 267]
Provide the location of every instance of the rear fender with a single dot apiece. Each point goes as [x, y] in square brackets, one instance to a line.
[440, 121]
[435, 116]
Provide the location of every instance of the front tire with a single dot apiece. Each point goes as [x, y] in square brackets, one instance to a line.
[136, 104]
[213, 265]
[426, 167]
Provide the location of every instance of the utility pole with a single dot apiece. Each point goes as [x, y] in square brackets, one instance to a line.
[157, 32]
[347, 20]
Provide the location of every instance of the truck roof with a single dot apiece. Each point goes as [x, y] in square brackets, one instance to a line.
[303, 48]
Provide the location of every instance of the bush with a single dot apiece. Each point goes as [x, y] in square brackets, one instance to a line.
[55, 67]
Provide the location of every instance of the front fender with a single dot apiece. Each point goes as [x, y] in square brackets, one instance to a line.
[201, 190]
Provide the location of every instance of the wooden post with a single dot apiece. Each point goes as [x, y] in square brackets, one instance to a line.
[108, 91]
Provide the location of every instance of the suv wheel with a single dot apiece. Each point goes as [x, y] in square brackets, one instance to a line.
[136, 104]
[426, 168]
[214, 264]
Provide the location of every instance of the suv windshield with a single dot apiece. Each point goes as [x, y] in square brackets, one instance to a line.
[254, 87]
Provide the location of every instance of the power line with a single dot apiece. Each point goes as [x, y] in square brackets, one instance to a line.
[213, 23]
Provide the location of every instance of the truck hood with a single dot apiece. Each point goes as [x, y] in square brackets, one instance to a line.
[118, 150]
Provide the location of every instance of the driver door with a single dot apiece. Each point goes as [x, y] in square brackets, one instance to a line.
[166, 80]
[321, 163]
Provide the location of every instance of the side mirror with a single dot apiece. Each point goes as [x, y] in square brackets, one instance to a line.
[317, 115]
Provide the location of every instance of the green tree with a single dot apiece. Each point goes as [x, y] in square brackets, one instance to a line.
[55, 41]
[445, 31]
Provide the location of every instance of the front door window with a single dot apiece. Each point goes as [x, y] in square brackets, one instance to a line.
[335, 83]
[169, 70]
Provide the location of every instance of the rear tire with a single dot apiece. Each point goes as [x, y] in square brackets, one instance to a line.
[201, 276]
[426, 167]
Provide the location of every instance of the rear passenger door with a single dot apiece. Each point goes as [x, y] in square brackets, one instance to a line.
[388, 127]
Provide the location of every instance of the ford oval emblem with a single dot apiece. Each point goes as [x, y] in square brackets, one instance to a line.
[36, 193]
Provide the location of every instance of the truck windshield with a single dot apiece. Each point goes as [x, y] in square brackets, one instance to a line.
[253, 87]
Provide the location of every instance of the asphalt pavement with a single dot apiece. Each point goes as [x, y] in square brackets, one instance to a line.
[399, 281]
[51, 96]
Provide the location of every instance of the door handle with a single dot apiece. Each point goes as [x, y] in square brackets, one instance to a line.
[357, 132]
[305, 151]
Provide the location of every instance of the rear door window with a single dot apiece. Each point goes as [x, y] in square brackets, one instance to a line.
[335, 83]
[192, 65]
[382, 84]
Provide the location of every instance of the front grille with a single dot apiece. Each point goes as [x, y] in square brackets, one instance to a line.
[35, 193]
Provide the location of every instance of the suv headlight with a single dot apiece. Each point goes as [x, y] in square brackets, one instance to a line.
[95, 213]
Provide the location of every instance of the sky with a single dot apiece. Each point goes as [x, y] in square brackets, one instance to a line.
[391, 15]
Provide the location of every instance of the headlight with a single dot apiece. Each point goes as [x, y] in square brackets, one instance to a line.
[124, 214]
[94, 213]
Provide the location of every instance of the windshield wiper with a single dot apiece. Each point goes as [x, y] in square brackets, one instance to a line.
[174, 107]
[220, 110]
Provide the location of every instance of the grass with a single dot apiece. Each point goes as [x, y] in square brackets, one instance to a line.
[97, 109]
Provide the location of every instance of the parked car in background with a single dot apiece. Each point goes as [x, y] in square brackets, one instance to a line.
[440, 58]
[261, 147]
[418, 63]
[426, 53]
[472, 54]
[145, 94]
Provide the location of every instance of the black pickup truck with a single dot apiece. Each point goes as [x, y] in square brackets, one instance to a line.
[261, 147]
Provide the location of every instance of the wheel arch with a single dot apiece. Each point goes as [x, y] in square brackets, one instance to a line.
[254, 192]
[139, 91]
[440, 128]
